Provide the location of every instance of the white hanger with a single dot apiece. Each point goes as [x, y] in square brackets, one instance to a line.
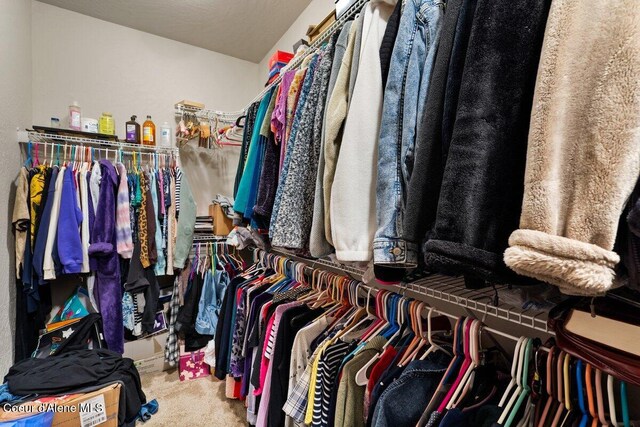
[434, 346]
[516, 394]
[612, 401]
[514, 368]
[362, 377]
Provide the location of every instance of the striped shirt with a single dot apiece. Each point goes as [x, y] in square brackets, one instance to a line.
[328, 369]
[178, 186]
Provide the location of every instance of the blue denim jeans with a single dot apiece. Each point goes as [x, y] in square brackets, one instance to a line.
[403, 401]
[404, 98]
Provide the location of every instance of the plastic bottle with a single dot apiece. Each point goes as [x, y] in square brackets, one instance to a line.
[106, 125]
[148, 132]
[132, 129]
[165, 135]
[75, 117]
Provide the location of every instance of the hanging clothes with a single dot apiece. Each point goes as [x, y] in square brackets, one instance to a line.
[353, 189]
[103, 249]
[567, 230]
[247, 188]
[318, 243]
[411, 67]
[294, 227]
[481, 192]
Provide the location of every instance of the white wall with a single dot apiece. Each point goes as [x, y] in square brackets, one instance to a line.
[312, 15]
[15, 111]
[109, 67]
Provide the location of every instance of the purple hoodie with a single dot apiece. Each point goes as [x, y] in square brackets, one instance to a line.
[69, 220]
[103, 251]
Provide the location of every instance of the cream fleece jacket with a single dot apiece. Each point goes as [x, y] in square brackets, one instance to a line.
[353, 193]
[583, 156]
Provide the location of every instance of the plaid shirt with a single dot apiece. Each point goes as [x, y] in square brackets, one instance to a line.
[296, 404]
[171, 351]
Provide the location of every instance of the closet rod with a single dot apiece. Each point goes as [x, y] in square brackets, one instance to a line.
[442, 288]
[259, 258]
[24, 137]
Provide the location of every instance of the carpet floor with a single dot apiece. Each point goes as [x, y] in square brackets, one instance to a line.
[193, 403]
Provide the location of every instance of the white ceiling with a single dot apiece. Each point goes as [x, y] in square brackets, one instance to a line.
[245, 29]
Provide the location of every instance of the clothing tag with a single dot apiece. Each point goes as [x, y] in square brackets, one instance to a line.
[93, 412]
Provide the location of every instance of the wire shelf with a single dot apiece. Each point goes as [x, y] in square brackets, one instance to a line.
[322, 38]
[294, 63]
[203, 113]
[45, 138]
[482, 302]
[200, 238]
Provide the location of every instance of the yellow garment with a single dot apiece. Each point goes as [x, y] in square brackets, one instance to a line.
[143, 237]
[308, 417]
[36, 188]
[20, 219]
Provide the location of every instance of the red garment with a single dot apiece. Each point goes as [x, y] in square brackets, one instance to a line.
[384, 361]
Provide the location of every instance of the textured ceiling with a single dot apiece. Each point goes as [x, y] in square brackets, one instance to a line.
[245, 29]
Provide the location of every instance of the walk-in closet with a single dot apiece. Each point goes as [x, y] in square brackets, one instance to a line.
[320, 213]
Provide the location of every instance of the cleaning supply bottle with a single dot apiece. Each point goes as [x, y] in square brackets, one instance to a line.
[106, 125]
[165, 135]
[132, 130]
[75, 118]
[148, 132]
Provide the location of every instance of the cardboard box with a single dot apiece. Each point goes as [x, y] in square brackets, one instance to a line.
[222, 224]
[190, 104]
[97, 408]
[152, 364]
[314, 32]
[145, 348]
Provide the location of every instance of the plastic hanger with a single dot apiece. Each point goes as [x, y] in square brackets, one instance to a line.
[416, 327]
[432, 345]
[474, 354]
[28, 161]
[519, 385]
[514, 369]
[526, 389]
[549, 387]
[559, 389]
[612, 401]
[580, 381]
[602, 416]
[381, 312]
[591, 402]
[434, 402]
[567, 382]
[624, 403]
[37, 152]
[465, 365]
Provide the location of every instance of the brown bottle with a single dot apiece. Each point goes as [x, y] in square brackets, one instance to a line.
[133, 131]
[148, 132]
